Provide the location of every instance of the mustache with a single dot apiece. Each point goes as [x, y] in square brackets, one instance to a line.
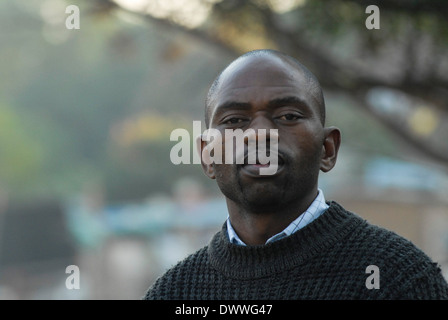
[261, 156]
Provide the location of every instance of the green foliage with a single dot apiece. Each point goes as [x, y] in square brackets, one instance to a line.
[65, 98]
[21, 155]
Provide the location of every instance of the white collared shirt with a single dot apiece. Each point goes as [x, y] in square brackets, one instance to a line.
[317, 208]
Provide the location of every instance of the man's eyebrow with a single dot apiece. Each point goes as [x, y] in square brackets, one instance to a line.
[233, 105]
[292, 100]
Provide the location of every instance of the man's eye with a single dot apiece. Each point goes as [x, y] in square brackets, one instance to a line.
[233, 121]
[289, 117]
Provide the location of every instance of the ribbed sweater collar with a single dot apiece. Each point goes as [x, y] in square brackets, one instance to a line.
[252, 262]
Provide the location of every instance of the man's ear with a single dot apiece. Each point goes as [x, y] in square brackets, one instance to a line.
[330, 148]
[208, 169]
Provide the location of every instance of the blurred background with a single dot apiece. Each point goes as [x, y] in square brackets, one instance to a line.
[86, 116]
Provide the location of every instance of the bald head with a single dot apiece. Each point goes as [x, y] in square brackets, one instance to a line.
[256, 62]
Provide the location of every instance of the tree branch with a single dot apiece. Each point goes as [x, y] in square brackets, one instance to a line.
[331, 73]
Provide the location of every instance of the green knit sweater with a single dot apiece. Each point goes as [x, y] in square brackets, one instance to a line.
[327, 259]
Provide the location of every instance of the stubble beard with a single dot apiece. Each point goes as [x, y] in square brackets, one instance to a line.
[271, 194]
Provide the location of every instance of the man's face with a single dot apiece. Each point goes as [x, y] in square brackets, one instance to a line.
[267, 93]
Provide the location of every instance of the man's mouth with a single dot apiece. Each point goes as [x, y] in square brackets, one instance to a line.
[250, 160]
[270, 168]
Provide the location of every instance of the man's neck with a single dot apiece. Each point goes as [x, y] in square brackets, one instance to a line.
[256, 227]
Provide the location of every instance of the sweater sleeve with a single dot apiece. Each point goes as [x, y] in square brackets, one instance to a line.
[176, 283]
[428, 284]
[155, 292]
[165, 287]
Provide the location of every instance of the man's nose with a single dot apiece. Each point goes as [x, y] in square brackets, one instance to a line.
[261, 130]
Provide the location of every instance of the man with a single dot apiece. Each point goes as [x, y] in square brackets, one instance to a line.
[282, 240]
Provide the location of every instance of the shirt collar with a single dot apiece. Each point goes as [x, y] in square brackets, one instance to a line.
[317, 208]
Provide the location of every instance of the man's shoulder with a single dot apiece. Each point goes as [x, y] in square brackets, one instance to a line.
[380, 241]
[172, 279]
[389, 248]
[402, 266]
[384, 240]
[369, 231]
[190, 262]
